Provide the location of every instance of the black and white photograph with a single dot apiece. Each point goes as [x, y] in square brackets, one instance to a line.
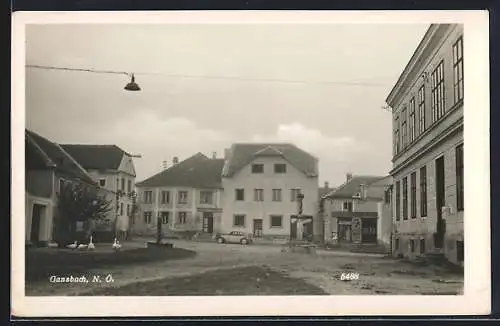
[262, 159]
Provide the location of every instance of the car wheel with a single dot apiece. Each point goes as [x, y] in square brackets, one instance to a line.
[220, 240]
[244, 241]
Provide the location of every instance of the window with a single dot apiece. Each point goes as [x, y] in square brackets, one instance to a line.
[182, 217]
[423, 191]
[276, 221]
[240, 194]
[128, 209]
[279, 168]
[412, 245]
[206, 197]
[121, 208]
[102, 182]
[123, 184]
[347, 206]
[147, 217]
[148, 196]
[437, 83]
[397, 144]
[183, 197]
[258, 194]
[404, 130]
[165, 197]
[239, 220]
[396, 244]
[412, 120]
[276, 194]
[257, 168]
[294, 194]
[129, 186]
[421, 109]
[459, 158]
[405, 198]
[413, 195]
[422, 246]
[458, 70]
[460, 251]
[164, 217]
[398, 200]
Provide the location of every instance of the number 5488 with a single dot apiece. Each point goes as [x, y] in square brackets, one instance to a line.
[349, 276]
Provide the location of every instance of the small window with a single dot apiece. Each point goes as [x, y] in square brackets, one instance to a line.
[165, 197]
[206, 197]
[412, 245]
[347, 206]
[183, 197]
[276, 194]
[460, 251]
[182, 216]
[148, 197]
[279, 168]
[294, 193]
[164, 217]
[258, 194]
[240, 194]
[276, 221]
[257, 168]
[102, 182]
[422, 246]
[239, 220]
[147, 217]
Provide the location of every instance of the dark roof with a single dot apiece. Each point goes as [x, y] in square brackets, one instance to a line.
[197, 171]
[42, 153]
[352, 187]
[243, 153]
[98, 157]
[324, 191]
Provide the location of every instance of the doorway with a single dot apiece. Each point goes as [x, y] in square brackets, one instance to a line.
[257, 228]
[208, 222]
[440, 198]
[36, 219]
[368, 230]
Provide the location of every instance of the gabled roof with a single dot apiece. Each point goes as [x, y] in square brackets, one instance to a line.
[353, 186]
[42, 153]
[242, 154]
[197, 171]
[323, 191]
[96, 157]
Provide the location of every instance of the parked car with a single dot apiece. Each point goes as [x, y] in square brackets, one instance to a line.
[234, 237]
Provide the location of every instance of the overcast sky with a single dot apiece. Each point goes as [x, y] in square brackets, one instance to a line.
[321, 87]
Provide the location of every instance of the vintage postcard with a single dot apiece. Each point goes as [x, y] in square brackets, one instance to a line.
[250, 163]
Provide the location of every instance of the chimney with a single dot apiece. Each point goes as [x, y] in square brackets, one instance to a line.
[348, 176]
[175, 160]
[214, 155]
[326, 185]
[165, 166]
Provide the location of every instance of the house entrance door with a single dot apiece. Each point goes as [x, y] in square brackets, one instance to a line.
[257, 228]
[208, 222]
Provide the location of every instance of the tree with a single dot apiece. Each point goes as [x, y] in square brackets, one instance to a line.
[78, 203]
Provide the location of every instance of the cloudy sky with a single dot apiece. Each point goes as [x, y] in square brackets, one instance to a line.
[320, 86]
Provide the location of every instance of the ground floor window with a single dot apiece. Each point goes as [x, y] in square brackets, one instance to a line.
[147, 217]
[412, 245]
[239, 220]
[164, 217]
[422, 246]
[182, 217]
[396, 244]
[276, 221]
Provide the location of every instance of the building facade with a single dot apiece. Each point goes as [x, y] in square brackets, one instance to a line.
[359, 211]
[113, 169]
[262, 183]
[427, 113]
[184, 197]
[47, 167]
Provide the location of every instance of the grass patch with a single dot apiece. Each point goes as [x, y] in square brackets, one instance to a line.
[42, 264]
[235, 281]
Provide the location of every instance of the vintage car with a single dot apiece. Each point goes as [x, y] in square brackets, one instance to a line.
[234, 237]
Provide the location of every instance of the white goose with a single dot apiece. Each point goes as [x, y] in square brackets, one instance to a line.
[72, 246]
[116, 245]
[82, 246]
[91, 245]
